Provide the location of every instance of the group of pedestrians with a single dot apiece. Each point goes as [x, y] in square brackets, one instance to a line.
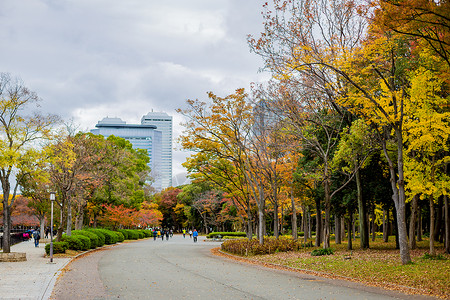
[191, 234]
[160, 233]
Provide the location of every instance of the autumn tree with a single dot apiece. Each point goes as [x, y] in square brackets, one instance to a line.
[422, 20]
[19, 134]
[221, 130]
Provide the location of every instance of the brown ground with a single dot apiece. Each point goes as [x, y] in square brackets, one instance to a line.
[83, 284]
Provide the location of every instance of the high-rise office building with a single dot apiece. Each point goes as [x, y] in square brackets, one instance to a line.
[163, 122]
[141, 136]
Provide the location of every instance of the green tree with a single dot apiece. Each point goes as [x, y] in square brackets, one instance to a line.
[19, 134]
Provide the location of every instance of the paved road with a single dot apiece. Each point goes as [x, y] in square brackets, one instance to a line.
[180, 269]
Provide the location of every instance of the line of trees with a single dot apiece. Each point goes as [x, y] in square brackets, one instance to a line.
[96, 180]
[355, 117]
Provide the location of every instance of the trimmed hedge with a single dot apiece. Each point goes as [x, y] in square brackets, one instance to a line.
[147, 233]
[92, 237]
[101, 236]
[215, 234]
[120, 236]
[58, 247]
[124, 232]
[132, 234]
[271, 245]
[110, 236]
[74, 242]
[86, 242]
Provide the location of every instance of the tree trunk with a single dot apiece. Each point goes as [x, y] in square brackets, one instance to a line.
[438, 220]
[447, 225]
[318, 224]
[262, 223]
[275, 219]
[6, 225]
[42, 225]
[337, 229]
[363, 226]
[412, 223]
[249, 224]
[419, 225]
[326, 229]
[398, 196]
[69, 217]
[432, 250]
[305, 221]
[294, 217]
[385, 225]
[374, 228]
[61, 224]
[342, 221]
[350, 225]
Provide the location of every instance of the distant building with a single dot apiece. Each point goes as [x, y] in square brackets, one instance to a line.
[163, 122]
[264, 116]
[141, 136]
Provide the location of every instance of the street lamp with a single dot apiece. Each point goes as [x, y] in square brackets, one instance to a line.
[52, 199]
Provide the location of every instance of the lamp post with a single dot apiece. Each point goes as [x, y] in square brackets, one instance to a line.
[52, 199]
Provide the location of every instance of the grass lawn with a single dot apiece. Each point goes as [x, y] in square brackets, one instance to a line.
[380, 266]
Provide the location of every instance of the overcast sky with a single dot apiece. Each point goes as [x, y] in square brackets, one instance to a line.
[88, 59]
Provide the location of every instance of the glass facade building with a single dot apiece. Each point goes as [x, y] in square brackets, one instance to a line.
[163, 122]
[141, 136]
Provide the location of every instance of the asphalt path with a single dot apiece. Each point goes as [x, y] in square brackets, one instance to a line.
[182, 269]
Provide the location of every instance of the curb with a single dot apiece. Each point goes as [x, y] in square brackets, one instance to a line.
[48, 291]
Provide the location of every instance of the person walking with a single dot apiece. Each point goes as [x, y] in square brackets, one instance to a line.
[184, 233]
[155, 233]
[162, 234]
[36, 236]
[195, 234]
[167, 234]
[190, 233]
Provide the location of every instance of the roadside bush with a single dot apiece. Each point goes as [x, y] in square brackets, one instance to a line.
[147, 233]
[271, 245]
[58, 247]
[215, 234]
[92, 237]
[101, 236]
[132, 234]
[320, 252]
[86, 242]
[120, 236]
[110, 236]
[74, 242]
[124, 232]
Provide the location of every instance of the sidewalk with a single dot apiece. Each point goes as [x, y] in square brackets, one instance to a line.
[31, 279]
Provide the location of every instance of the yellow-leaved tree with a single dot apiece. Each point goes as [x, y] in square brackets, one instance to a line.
[427, 137]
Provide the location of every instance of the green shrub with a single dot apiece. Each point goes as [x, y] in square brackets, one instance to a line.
[110, 236]
[58, 247]
[132, 234]
[433, 257]
[215, 234]
[92, 236]
[124, 233]
[120, 236]
[147, 233]
[74, 242]
[86, 242]
[271, 245]
[100, 235]
[140, 233]
[320, 252]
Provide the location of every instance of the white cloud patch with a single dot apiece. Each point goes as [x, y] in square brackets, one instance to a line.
[90, 59]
